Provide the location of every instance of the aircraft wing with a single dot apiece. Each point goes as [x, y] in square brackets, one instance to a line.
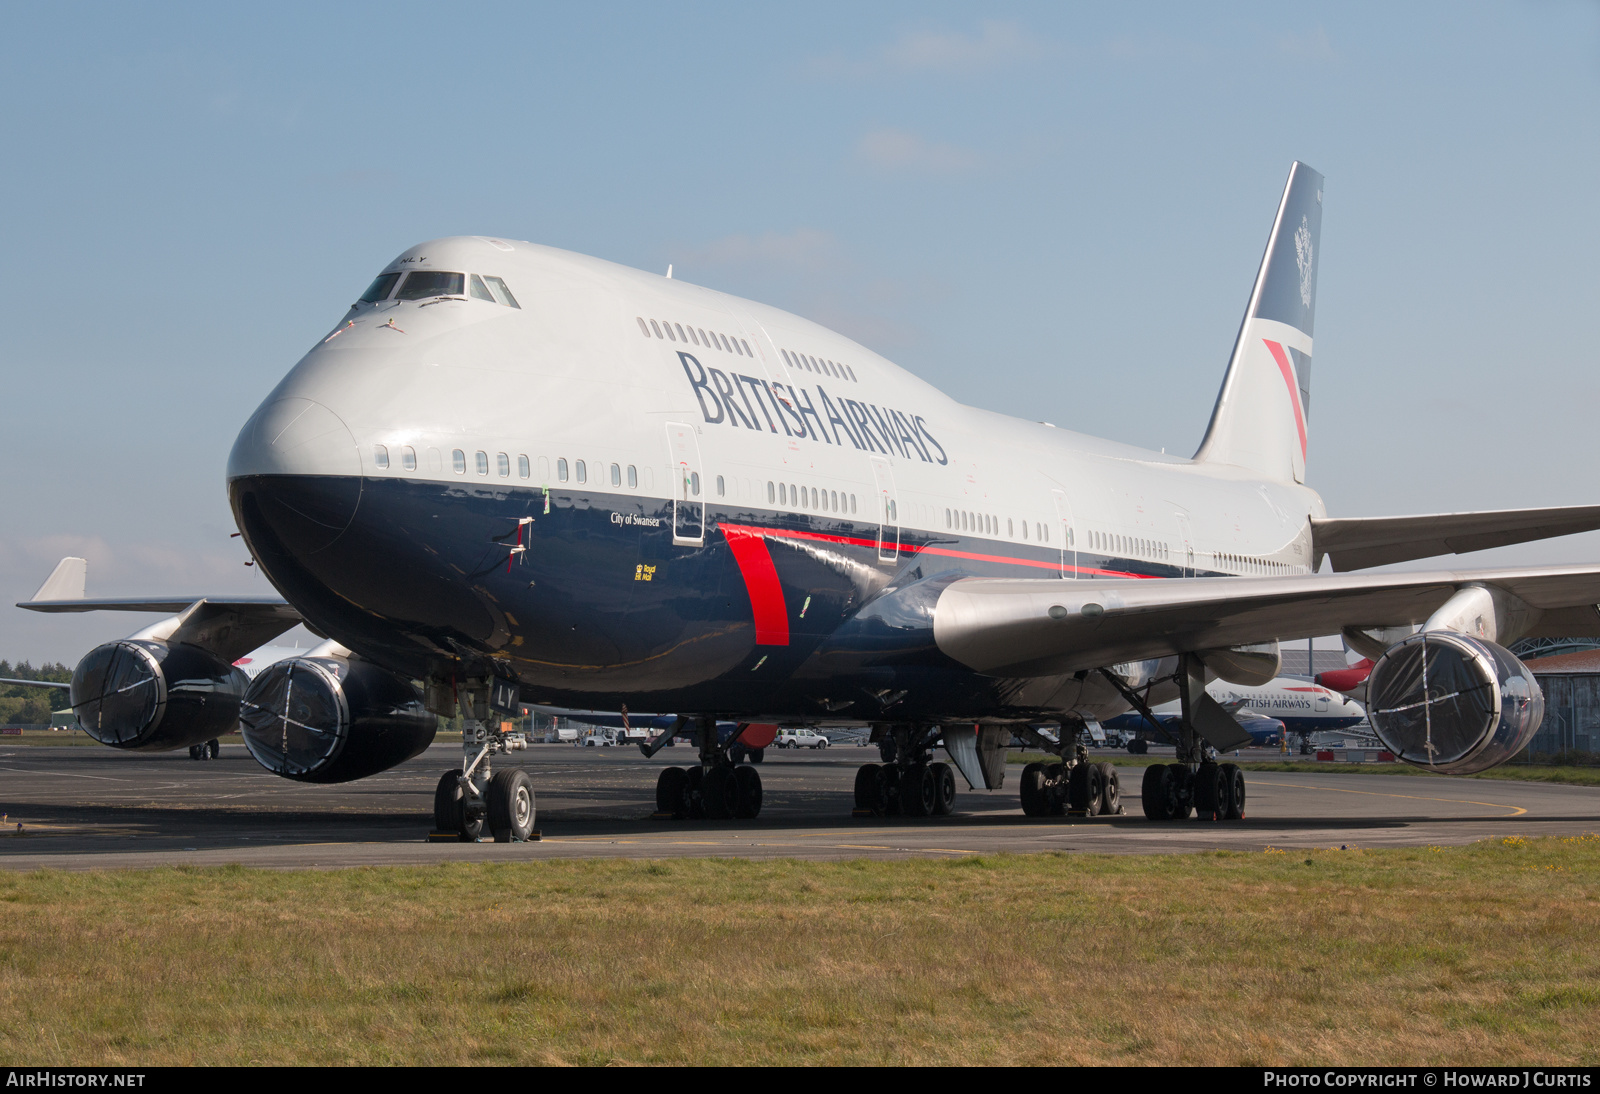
[1356, 543]
[230, 626]
[1046, 627]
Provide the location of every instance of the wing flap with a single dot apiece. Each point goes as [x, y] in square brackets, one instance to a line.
[1357, 543]
[1046, 627]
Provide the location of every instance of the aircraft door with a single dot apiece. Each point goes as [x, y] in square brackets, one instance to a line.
[1187, 536]
[1069, 545]
[887, 511]
[688, 500]
[1322, 704]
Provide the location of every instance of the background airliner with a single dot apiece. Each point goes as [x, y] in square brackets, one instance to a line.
[517, 474]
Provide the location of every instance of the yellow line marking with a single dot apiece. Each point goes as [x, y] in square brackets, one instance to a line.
[1516, 810]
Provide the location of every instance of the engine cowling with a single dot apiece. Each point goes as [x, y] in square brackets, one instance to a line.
[147, 695]
[1453, 703]
[331, 720]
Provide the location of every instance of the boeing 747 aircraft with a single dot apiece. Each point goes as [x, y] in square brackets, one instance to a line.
[513, 474]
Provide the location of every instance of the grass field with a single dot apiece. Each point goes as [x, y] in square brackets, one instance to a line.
[1480, 954]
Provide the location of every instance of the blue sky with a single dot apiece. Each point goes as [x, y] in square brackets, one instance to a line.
[1053, 211]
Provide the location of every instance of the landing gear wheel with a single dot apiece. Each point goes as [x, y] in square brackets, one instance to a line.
[944, 802]
[1111, 794]
[450, 813]
[1181, 790]
[757, 755]
[1035, 798]
[694, 792]
[886, 750]
[1154, 793]
[718, 793]
[891, 790]
[214, 748]
[1084, 789]
[746, 792]
[1139, 746]
[1210, 796]
[917, 791]
[1055, 789]
[1234, 778]
[869, 789]
[511, 805]
[672, 792]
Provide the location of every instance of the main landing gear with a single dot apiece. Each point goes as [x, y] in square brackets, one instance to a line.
[910, 783]
[1196, 785]
[719, 788]
[473, 797]
[1071, 785]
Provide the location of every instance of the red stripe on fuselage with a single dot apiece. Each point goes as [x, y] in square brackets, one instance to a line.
[852, 541]
[1294, 390]
[761, 582]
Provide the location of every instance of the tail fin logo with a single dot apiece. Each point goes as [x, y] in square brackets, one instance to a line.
[1302, 258]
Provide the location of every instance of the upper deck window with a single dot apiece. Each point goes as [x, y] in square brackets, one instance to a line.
[421, 284]
[380, 288]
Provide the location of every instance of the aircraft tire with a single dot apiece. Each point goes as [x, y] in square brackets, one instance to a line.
[1180, 789]
[1153, 793]
[511, 805]
[1235, 783]
[718, 793]
[869, 788]
[886, 750]
[757, 755]
[917, 791]
[1035, 795]
[672, 792]
[945, 780]
[1111, 793]
[450, 809]
[746, 792]
[891, 790]
[1085, 789]
[692, 792]
[1210, 796]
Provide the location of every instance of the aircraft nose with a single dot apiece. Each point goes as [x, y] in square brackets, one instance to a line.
[296, 471]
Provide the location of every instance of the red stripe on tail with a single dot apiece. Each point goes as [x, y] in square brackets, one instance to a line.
[1294, 391]
[761, 582]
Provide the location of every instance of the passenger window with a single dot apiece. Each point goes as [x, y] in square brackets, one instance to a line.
[721, 490]
[692, 339]
[947, 518]
[408, 458]
[694, 483]
[852, 503]
[1024, 529]
[380, 456]
[786, 357]
[480, 291]
[380, 288]
[783, 493]
[704, 341]
[894, 510]
[582, 471]
[421, 284]
[616, 475]
[746, 346]
[523, 470]
[503, 465]
[483, 463]
[655, 328]
[834, 497]
[668, 325]
[642, 328]
[633, 476]
[561, 470]
[852, 373]
[681, 336]
[458, 460]
[771, 497]
[501, 293]
[724, 340]
[1009, 529]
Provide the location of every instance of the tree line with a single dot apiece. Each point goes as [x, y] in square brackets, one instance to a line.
[22, 705]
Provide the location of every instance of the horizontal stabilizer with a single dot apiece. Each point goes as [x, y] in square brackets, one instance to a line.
[1355, 543]
[36, 683]
[168, 604]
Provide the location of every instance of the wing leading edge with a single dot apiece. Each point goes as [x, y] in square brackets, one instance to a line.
[1047, 627]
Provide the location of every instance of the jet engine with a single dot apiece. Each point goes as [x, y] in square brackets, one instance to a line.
[148, 695]
[333, 719]
[1453, 703]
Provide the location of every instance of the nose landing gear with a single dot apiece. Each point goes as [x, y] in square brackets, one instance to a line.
[474, 797]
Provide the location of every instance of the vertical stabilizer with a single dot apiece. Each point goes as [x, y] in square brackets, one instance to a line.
[1261, 417]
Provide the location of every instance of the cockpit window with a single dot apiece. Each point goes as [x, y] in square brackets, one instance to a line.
[380, 288]
[421, 284]
[501, 293]
[479, 290]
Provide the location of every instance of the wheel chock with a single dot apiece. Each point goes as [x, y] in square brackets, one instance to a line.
[444, 837]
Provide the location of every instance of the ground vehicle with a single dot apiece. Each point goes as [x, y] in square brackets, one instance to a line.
[801, 738]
